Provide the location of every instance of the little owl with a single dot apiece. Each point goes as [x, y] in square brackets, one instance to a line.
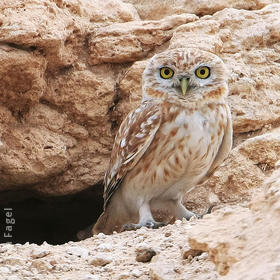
[179, 134]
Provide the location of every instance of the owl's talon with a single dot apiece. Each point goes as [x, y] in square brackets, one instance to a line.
[209, 210]
[129, 227]
[154, 225]
[150, 224]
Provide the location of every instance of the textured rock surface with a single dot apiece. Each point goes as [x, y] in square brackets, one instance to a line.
[241, 249]
[162, 8]
[68, 80]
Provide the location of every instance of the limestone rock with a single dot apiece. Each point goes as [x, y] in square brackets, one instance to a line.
[126, 42]
[162, 8]
[21, 83]
[241, 250]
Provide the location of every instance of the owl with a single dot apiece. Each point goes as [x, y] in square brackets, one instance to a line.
[178, 135]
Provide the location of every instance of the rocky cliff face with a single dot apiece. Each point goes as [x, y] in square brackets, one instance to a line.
[70, 70]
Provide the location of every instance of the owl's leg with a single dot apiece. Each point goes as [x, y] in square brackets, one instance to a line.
[145, 219]
[180, 211]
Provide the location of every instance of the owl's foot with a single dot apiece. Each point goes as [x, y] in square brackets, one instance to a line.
[149, 224]
[200, 216]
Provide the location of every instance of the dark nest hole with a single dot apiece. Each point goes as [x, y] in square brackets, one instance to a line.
[56, 220]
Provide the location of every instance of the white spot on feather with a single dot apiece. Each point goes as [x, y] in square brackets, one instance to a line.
[151, 119]
[140, 135]
[138, 110]
[123, 143]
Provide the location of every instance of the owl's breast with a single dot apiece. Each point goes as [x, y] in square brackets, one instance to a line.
[182, 151]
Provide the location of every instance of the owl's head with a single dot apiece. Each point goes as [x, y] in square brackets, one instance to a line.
[188, 73]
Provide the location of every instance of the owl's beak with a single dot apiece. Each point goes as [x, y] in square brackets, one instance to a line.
[184, 85]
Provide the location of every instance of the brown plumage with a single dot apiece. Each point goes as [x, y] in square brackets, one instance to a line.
[179, 134]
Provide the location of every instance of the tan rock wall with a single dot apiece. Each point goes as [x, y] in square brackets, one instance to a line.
[71, 70]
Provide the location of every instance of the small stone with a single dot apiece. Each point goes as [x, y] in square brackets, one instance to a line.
[100, 260]
[124, 275]
[40, 266]
[78, 251]
[188, 251]
[4, 269]
[39, 252]
[178, 222]
[144, 254]
[26, 273]
[105, 247]
[5, 247]
[13, 277]
[167, 234]
[203, 256]
[136, 273]
[91, 277]
[15, 268]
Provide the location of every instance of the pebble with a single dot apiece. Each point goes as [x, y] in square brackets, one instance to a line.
[188, 251]
[124, 275]
[178, 222]
[105, 247]
[136, 273]
[4, 269]
[100, 260]
[40, 266]
[78, 251]
[39, 252]
[91, 277]
[144, 254]
[13, 277]
[26, 273]
[5, 247]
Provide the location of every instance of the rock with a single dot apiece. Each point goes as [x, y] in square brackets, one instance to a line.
[13, 261]
[187, 251]
[162, 8]
[90, 277]
[100, 260]
[232, 247]
[136, 273]
[4, 270]
[144, 254]
[39, 252]
[126, 42]
[78, 251]
[163, 272]
[39, 266]
[105, 247]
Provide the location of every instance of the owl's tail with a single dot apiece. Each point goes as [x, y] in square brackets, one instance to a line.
[102, 224]
[112, 219]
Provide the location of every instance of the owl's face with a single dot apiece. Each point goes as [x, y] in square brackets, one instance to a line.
[189, 74]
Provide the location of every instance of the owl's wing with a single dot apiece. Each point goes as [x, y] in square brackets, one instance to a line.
[225, 146]
[135, 135]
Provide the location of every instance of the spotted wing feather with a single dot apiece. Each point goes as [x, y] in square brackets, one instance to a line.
[135, 135]
[225, 146]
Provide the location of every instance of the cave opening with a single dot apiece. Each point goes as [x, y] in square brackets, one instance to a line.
[27, 217]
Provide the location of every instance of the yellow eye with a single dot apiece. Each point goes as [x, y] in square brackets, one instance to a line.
[202, 72]
[166, 73]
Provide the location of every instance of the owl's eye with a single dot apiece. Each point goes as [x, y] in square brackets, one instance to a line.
[166, 73]
[202, 72]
